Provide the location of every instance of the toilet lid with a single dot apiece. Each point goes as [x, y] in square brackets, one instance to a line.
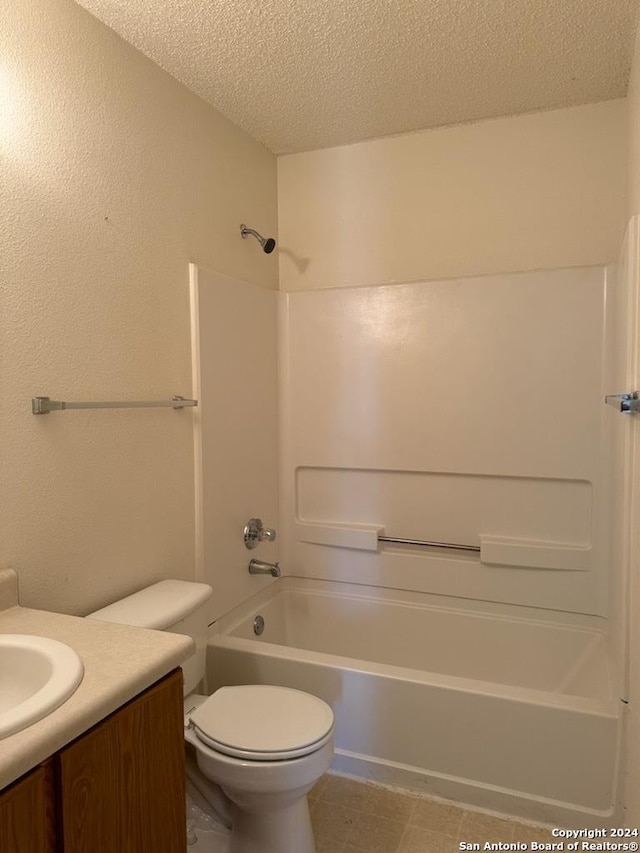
[263, 723]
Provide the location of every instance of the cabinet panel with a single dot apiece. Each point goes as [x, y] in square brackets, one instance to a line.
[27, 813]
[122, 783]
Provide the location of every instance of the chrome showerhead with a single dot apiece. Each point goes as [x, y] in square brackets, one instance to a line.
[268, 243]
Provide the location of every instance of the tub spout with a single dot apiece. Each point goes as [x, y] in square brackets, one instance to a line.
[259, 567]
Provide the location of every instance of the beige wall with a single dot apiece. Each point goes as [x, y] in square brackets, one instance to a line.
[633, 113]
[633, 739]
[529, 192]
[114, 177]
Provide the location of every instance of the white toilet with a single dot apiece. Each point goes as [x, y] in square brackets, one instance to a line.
[265, 746]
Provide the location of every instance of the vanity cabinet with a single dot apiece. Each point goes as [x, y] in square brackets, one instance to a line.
[121, 785]
[27, 818]
[118, 788]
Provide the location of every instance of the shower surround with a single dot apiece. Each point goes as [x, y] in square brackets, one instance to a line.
[464, 412]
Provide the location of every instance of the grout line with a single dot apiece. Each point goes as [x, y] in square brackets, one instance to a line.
[412, 812]
[405, 831]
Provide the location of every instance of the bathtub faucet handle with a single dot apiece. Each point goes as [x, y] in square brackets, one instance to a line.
[254, 532]
[268, 534]
[259, 567]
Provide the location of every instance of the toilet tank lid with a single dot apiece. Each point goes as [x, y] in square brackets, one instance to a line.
[157, 606]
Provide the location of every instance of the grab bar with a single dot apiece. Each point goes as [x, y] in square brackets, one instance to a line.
[44, 405]
[492, 550]
[420, 542]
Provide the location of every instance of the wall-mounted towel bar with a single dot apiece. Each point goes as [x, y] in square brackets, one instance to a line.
[628, 403]
[420, 542]
[44, 405]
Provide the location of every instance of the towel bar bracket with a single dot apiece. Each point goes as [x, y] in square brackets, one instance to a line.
[628, 404]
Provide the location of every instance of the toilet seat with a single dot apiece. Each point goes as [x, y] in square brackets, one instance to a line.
[260, 722]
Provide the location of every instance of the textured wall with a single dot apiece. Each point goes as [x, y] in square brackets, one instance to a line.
[633, 102]
[114, 177]
[530, 192]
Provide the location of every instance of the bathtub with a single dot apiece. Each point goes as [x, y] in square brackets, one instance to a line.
[501, 707]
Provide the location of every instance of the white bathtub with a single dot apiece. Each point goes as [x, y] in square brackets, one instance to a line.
[502, 707]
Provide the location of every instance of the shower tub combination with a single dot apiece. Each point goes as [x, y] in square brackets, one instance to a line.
[502, 707]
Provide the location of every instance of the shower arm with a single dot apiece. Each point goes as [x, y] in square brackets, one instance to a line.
[244, 233]
[268, 244]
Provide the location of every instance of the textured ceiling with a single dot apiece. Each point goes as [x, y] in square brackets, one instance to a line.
[303, 74]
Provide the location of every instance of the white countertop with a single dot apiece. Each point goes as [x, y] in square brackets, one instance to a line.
[119, 662]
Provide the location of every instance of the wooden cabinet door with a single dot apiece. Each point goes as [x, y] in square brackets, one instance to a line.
[27, 813]
[122, 787]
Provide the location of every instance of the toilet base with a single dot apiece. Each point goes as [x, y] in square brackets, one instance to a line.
[287, 830]
[269, 809]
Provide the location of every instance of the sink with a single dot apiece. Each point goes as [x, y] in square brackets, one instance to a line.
[37, 675]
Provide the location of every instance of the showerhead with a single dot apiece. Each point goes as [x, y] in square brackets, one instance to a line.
[268, 243]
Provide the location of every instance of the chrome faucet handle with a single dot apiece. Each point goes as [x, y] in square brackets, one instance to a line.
[268, 534]
[255, 532]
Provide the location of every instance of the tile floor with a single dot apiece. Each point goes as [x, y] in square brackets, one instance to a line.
[350, 816]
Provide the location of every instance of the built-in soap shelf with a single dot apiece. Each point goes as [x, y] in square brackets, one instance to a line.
[534, 554]
[363, 537]
[493, 550]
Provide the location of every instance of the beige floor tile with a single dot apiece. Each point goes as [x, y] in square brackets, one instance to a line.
[328, 845]
[314, 793]
[417, 840]
[350, 816]
[394, 805]
[438, 816]
[374, 834]
[331, 821]
[478, 827]
[522, 832]
[346, 792]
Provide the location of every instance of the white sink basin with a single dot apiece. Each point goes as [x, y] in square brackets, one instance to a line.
[36, 676]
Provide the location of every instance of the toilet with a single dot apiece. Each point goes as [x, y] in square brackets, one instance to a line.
[265, 746]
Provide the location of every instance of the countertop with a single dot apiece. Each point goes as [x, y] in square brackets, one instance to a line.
[119, 662]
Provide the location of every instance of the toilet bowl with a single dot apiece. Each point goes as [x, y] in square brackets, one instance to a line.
[265, 746]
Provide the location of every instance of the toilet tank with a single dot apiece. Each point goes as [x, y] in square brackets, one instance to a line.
[175, 606]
